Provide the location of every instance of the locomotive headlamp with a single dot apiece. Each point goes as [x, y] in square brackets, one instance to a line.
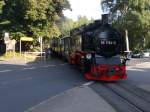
[88, 56]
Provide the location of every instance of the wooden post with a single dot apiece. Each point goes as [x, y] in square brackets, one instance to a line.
[20, 47]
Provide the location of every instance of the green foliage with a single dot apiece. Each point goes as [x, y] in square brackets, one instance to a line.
[35, 18]
[66, 26]
[69, 24]
[133, 15]
[1, 5]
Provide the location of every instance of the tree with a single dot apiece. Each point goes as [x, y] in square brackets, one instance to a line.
[132, 15]
[1, 5]
[68, 24]
[34, 17]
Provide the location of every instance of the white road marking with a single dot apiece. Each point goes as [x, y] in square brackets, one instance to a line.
[88, 83]
[136, 69]
[52, 65]
[5, 71]
[64, 64]
[29, 68]
[45, 66]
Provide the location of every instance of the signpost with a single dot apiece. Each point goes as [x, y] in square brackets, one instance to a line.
[13, 42]
[41, 44]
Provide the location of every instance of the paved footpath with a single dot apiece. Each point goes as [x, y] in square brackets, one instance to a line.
[79, 99]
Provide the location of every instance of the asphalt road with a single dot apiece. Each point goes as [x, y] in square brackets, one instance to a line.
[22, 87]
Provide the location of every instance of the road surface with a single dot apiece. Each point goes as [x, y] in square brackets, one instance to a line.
[24, 87]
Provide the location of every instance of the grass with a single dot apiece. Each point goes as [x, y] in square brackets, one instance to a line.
[22, 58]
[16, 55]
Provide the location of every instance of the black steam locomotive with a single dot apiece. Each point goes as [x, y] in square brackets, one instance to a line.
[97, 49]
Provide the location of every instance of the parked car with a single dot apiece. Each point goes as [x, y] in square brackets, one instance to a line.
[146, 54]
[136, 54]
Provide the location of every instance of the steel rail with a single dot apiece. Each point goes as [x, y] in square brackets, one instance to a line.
[121, 98]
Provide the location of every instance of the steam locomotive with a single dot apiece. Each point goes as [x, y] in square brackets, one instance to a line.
[97, 49]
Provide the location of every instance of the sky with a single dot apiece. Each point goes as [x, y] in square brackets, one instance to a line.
[88, 8]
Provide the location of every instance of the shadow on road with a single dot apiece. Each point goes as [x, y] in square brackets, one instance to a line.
[24, 85]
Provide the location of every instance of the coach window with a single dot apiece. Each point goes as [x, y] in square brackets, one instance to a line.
[62, 44]
[57, 44]
[67, 44]
[78, 42]
[72, 44]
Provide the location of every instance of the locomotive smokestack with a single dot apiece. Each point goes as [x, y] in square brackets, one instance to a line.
[105, 18]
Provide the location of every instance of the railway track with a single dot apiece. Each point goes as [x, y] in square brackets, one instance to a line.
[124, 97]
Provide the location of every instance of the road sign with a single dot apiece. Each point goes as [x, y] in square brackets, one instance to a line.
[26, 39]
